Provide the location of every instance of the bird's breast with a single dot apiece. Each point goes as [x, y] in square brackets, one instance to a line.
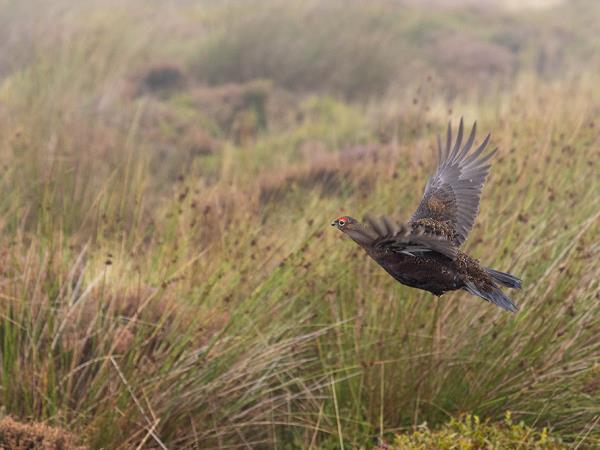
[432, 273]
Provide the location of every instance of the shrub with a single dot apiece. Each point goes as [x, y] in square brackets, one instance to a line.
[469, 433]
[35, 436]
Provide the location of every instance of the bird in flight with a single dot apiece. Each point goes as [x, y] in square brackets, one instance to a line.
[424, 252]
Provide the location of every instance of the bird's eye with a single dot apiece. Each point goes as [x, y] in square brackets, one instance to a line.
[341, 222]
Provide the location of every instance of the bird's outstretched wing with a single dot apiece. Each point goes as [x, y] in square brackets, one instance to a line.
[451, 197]
[407, 238]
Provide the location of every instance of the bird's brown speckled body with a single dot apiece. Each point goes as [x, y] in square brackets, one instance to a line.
[423, 253]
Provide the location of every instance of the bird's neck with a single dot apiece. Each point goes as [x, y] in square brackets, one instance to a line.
[360, 234]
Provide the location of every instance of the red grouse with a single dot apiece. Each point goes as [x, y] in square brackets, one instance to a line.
[423, 253]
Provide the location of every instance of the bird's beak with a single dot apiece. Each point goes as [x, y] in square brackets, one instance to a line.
[334, 223]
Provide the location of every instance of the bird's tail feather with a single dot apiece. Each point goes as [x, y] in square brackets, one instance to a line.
[504, 278]
[492, 294]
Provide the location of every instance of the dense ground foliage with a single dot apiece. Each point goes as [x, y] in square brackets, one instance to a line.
[470, 433]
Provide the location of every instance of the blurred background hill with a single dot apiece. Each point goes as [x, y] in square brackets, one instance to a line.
[170, 169]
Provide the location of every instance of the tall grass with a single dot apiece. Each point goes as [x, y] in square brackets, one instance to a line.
[216, 308]
[384, 47]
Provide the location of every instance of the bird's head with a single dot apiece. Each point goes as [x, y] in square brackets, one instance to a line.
[354, 229]
[344, 223]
